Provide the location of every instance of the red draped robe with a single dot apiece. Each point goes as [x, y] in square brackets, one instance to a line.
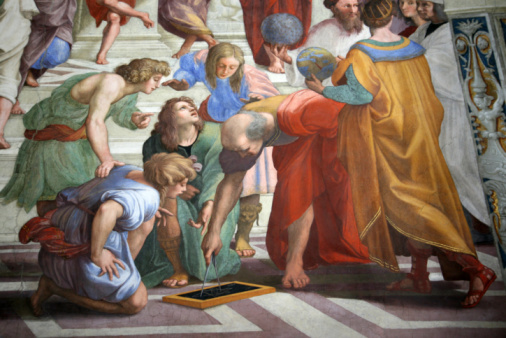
[310, 172]
[99, 12]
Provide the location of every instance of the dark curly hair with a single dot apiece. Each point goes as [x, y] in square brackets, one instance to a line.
[378, 13]
[167, 124]
[329, 3]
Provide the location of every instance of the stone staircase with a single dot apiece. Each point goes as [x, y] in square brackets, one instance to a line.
[126, 145]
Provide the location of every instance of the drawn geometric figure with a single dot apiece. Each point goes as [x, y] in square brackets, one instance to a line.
[213, 295]
[282, 28]
[317, 61]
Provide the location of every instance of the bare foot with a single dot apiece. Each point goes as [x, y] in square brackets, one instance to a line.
[16, 109]
[243, 248]
[181, 52]
[276, 66]
[4, 144]
[30, 80]
[295, 277]
[177, 280]
[101, 60]
[212, 42]
[41, 295]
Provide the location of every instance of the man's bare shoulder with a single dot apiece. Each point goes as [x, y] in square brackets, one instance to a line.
[109, 84]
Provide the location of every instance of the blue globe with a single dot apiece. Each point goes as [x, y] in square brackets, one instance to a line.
[282, 28]
[317, 61]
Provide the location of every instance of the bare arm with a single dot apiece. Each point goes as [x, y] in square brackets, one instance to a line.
[227, 195]
[107, 90]
[103, 223]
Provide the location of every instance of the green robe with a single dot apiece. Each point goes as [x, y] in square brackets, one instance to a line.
[43, 168]
[152, 262]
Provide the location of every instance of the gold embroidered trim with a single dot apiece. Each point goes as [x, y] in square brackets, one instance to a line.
[416, 238]
[384, 264]
[371, 222]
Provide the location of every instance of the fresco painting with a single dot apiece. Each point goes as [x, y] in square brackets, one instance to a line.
[347, 154]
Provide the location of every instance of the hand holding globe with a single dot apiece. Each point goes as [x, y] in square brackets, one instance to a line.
[317, 61]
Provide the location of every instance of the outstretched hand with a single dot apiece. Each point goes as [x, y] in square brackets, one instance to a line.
[160, 217]
[315, 84]
[204, 217]
[105, 168]
[107, 263]
[141, 120]
[177, 85]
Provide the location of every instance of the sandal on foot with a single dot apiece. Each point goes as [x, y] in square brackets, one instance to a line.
[420, 285]
[487, 277]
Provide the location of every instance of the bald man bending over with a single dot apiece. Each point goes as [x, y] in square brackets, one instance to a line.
[312, 220]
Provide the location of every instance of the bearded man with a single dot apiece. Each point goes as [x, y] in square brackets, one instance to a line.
[336, 35]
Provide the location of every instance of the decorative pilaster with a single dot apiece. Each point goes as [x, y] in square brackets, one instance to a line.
[479, 34]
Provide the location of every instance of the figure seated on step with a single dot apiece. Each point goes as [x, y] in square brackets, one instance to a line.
[401, 187]
[90, 241]
[186, 19]
[117, 13]
[172, 252]
[232, 84]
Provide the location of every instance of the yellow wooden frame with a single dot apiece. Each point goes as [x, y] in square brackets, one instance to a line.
[202, 304]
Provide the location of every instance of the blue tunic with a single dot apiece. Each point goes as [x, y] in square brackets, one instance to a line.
[224, 102]
[140, 203]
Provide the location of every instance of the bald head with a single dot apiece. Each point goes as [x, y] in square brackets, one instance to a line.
[243, 132]
[235, 126]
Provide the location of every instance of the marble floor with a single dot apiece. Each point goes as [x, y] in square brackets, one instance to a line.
[341, 301]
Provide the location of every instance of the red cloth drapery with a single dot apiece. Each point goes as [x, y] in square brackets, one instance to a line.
[99, 12]
[51, 239]
[255, 11]
[309, 172]
[58, 132]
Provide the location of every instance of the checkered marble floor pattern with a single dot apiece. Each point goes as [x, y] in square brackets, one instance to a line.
[341, 301]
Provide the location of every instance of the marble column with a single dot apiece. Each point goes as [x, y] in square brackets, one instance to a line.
[134, 40]
[479, 36]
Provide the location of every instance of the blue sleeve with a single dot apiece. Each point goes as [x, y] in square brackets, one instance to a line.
[139, 206]
[351, 93]
[190, 70]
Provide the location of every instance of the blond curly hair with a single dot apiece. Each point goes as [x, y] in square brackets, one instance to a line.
[165, 170]
[141, 70]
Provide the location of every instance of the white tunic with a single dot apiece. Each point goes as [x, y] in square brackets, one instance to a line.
[328, 34]
[456, 138]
